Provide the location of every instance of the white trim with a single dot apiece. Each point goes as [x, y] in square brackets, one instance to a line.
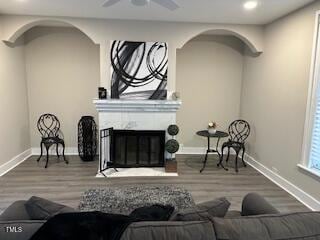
[313, 82]
[52, 151]
[292, 189]
[198, 150]
[310, 170]
[191, 150]
[283, 183]
[15, 161]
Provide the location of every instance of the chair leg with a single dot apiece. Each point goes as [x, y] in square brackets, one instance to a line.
[57, 150]
[236, 162]
[221, 157]
[64, 157]
[40, 152]
[243, 162]
[47, 148]
[227, 160]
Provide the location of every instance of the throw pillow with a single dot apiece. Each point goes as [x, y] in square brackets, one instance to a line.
[255, 204]
[43, 209]
[153, 213]
[203, 211]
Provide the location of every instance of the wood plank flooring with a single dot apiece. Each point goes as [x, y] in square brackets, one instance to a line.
[65, 183]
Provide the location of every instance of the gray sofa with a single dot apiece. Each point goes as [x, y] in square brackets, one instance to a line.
[257, 220]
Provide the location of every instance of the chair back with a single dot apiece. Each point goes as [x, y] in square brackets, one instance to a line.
[239, 131]
[48, 125]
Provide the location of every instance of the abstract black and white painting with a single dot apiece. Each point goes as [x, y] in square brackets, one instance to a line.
[139, 70]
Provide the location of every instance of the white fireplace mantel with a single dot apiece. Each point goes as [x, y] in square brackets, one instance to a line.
[136, 114]
[121, 105]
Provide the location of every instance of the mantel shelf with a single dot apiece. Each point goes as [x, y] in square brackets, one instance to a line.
[121, 105]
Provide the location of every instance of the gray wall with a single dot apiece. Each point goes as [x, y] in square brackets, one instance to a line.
[62, 71]
[274, 96]
[14, 125]
[209, 79]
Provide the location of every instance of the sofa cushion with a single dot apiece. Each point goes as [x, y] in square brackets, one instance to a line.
[169, 230]
[16, 211]
[203, 211]
[233, 214]
[296, 226]
[41, 209]
[19, 230]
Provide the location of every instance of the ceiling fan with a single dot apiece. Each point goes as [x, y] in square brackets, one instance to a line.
[169, 4]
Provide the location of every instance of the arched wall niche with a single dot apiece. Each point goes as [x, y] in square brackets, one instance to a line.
[46, 22]
[221, 31]
[208, 60]
[60, 57]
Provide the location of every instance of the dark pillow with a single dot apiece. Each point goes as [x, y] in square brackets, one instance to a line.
[203, 211]
[153, 213]
[255, 204]
[42, 209]
[16, 211]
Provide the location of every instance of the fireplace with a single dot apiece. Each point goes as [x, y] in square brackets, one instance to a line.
[133, 132]
[137, 148]
[132, 148]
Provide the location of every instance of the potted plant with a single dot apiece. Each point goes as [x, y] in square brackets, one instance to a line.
[172, 146]
[212, 127]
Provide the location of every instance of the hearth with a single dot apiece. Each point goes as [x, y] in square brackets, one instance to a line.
[132, 148]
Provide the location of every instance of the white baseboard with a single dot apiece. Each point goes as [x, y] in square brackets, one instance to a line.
[15, 161]
[191, 150]
[289, 187]
[292, 189]
[52, 151]
[198, 150]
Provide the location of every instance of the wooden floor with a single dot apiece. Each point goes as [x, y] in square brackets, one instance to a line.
[65, 183]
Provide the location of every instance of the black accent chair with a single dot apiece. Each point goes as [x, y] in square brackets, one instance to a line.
[49, 127]
[239, 131]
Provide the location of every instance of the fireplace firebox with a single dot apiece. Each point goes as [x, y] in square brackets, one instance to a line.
[131, 148]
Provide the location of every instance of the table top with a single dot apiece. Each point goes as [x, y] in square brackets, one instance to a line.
[218, 134]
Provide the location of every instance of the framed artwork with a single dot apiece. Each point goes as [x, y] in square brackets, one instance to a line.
[139, 70]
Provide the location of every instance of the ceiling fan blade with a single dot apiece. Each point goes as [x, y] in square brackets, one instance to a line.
[169, 4]
[109, 3]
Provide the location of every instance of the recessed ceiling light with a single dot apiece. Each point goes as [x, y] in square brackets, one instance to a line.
[249, 5]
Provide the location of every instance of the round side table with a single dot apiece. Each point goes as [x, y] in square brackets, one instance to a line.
[218, 135]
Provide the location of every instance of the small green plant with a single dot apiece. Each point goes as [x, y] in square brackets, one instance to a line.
[172, 145]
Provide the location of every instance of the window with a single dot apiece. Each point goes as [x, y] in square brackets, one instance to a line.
[311, 142]
[314, 155]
